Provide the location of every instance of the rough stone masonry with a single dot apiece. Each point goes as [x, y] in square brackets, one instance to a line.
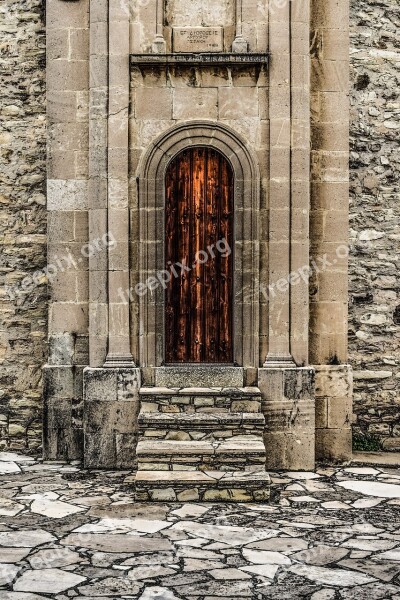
[374, 331]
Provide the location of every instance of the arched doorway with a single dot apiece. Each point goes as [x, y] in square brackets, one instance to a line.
[199, 242]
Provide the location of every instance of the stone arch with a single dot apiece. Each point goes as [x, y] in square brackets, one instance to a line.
[151, 173]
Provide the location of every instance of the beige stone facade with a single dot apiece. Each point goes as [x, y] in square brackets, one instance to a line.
[108, 114]
[130, 86]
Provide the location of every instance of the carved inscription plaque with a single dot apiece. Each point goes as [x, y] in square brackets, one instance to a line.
[198, 39]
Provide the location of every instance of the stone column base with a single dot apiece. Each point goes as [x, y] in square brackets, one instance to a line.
[289, 409]
[62, 412]
[111, 407]
[333, 397]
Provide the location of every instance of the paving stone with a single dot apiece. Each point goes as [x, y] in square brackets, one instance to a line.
[301, 475]
[237, 536]
[26, 538]
[320, 555]
[389, 555]
[116, 543]
[8, 573]
[371, 591]
[124, 525]
[264, 557]
[13, 555]
[149, 572]
[380, 570]
[54, 509]
[362, 471]
[280, 544]
[335, 505]
[372, 488]
[47, 581]
[53, 558]
[326, 594]
[324, 576]
[266, 570]
[190, 510]
[153, 593]
[9, 508]
[369, 544]
[9, 467]
[193, 564]
[304, 499]
[228, 574]
[111, 586]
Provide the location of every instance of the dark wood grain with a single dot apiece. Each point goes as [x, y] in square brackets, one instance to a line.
[199, 302]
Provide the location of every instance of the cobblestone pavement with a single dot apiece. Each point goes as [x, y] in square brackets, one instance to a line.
[68, 533]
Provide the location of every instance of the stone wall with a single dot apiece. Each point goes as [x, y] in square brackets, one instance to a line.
[23, 312]
[374, 336]
[374, 288]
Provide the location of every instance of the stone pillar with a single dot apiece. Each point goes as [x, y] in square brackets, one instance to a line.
[300, 180]
[119, 353]
[329, 225]
[111, 383]
[67, 203]
[279, 354]
[286, 383]
[98, 183]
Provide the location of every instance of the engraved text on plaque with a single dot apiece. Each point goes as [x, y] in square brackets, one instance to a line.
[198, 39]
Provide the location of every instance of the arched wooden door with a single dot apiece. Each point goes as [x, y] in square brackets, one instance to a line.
[199, 258]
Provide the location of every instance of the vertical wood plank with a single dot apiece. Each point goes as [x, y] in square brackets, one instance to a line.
[226, 264]
[182, 244]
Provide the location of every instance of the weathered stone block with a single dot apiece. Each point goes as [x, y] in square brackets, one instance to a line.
[289, 408]
[111, 407]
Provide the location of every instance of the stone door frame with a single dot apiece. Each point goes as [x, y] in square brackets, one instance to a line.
[151, 178]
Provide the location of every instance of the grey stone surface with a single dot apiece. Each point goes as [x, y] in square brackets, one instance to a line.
[117, 547]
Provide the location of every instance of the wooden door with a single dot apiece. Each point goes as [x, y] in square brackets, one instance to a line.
[199, 258]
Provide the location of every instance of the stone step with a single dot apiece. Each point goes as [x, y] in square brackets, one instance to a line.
[198, 426]
[199, 376]
[202, 400]
[203, 486]
[236, 453]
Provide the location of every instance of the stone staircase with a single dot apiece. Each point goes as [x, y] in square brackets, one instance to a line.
[201, 444]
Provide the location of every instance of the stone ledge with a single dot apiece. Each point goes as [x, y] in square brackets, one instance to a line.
[200, 391]
[200, 419]
[199, 59]
[383, 459]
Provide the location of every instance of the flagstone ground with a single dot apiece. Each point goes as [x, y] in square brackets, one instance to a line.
[70, 533]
